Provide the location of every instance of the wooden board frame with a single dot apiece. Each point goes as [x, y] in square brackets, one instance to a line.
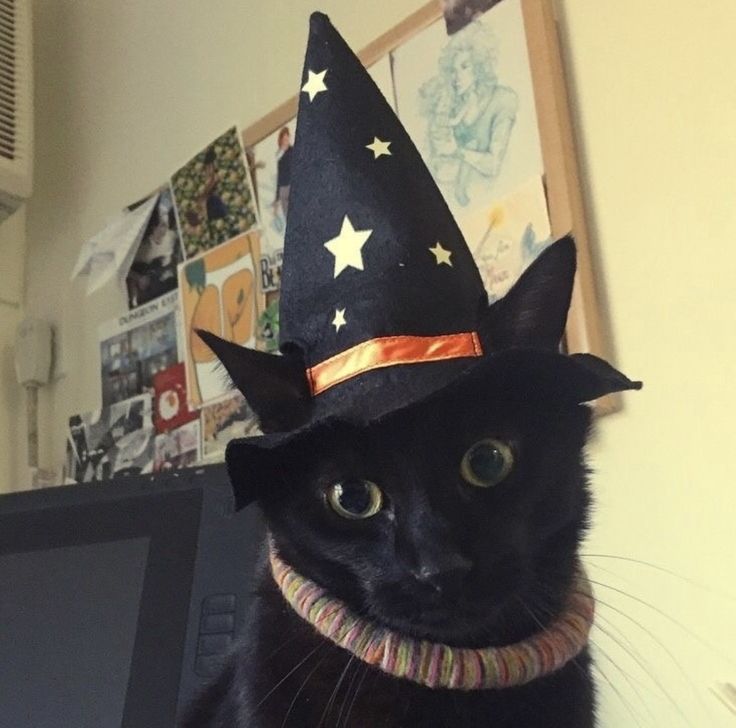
[584, 332]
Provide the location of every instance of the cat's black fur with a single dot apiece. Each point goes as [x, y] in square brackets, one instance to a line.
[443, 560]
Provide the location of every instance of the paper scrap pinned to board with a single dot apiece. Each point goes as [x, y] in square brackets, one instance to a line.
[109, 253]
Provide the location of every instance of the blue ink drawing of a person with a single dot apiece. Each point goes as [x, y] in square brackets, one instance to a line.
[470, 115]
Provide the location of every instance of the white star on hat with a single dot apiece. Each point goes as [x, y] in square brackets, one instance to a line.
[347, 247]
[442, 255]
[379, 148]
[339, 319]
[315, 84]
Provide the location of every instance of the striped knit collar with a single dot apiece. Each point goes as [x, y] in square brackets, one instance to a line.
[437, 665]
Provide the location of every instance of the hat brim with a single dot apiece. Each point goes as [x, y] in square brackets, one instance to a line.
[534, 374]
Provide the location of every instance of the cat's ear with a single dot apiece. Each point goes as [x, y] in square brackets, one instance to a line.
[534, 311]
[254, 471]
[275, 387]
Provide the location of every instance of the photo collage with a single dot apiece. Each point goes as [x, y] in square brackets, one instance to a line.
[205, 250]
[192, 259]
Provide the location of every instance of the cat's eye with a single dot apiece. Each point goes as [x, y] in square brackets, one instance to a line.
[355, 498]
[487, 463]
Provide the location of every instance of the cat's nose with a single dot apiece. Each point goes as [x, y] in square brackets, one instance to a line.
[446, 573]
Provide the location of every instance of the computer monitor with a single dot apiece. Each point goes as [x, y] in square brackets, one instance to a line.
[119, 600]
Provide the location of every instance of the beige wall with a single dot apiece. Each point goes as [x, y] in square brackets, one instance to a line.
[11, 398]
[656, 105]
[126, 91]
[12, 258]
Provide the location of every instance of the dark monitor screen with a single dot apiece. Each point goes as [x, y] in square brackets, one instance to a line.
[103, 594]
[69, 652]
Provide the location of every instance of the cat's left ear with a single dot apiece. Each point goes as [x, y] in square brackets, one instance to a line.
[275, 387]
[262, 468]
[534, 311]
[254, 471]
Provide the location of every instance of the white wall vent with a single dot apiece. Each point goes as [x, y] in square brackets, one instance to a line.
[16, 105]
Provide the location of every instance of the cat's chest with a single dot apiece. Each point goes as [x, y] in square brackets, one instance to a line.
[355, 696]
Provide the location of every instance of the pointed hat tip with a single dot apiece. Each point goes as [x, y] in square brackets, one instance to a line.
[318, 22]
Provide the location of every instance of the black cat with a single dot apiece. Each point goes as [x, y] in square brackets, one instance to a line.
[455, 520]
[421, 472]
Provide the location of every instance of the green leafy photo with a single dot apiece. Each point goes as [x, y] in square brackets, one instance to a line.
[214, 197]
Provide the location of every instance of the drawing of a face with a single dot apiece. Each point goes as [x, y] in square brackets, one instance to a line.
[463, 74]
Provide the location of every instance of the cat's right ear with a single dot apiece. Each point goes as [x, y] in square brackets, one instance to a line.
[534, 311]
[275, 387]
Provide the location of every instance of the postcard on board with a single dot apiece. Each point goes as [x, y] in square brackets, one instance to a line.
[223, 421]
[517, 230]
[170, 401]
[112, 441]
[136, 346]
[178, 448]
[219, 293]
[272, 177]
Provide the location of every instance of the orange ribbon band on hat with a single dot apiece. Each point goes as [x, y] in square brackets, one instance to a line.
[387, 351]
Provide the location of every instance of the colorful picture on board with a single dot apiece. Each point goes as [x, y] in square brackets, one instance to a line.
[268, 326]
[178, 448]
[517, 231]
[213, 195]
[219, 293]
[153, 271]
[223, 421]
[170, 401]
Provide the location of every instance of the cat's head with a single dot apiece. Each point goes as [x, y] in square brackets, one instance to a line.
[456, 518]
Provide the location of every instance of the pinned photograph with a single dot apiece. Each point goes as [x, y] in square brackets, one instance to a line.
[153, 270]
[170, 402]
[219, 293]
[138, 345]
[468, 103]
[268, 327]
[272, 159]
[517, 231]
[178, 448]
[225, 420]
[458, 13]
[213, 195]
[111, 442]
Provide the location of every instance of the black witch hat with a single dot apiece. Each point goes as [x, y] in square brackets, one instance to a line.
[381, 303]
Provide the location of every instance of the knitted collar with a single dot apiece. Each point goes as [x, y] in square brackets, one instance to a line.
[437, 665]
